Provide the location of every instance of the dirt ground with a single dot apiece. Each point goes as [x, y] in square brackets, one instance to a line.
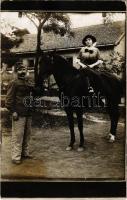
[50, 136]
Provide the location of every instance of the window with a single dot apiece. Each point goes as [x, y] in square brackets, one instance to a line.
[31, 63]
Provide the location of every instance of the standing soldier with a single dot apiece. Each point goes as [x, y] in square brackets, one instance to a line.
[18, 90]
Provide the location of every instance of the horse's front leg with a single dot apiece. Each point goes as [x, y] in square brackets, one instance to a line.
[114, 117]
[80, 127]
[71, 126]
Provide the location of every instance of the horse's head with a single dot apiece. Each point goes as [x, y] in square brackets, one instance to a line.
[46, 65]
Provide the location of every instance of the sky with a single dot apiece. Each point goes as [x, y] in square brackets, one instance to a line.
[77, 20]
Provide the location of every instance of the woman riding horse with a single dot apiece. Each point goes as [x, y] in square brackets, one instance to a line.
[73, 84]
[89, 55]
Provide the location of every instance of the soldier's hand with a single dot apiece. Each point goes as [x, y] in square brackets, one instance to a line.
[15, 116]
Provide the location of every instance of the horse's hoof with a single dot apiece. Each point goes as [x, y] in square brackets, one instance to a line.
[80, 149]
[112, 138]
[69, 148]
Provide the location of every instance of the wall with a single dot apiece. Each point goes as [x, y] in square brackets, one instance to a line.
[121, 47]
[104, 51]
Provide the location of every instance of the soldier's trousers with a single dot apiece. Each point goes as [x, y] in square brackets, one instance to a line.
[21, 131]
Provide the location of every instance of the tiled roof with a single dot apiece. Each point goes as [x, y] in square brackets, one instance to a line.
[104, 34]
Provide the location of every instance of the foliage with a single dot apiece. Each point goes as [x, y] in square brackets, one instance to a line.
[19, 32]
[58, 23]
[14, 38]
[115, 64]
[108, 18]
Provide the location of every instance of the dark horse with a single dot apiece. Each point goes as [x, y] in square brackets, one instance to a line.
[73, 87]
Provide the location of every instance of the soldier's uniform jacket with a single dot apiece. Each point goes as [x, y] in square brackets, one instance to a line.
[18, 91]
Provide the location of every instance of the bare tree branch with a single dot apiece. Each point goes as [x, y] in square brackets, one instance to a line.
[45, 19]
[31, 19]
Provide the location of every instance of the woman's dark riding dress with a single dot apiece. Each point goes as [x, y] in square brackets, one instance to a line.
[89, 56]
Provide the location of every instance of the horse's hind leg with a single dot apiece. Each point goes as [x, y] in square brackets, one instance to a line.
[80, 127]
[114, 117]
[71, 126]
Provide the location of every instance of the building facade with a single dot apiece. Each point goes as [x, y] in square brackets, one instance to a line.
[110, 39]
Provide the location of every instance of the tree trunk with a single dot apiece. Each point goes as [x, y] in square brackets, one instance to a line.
[38, 51]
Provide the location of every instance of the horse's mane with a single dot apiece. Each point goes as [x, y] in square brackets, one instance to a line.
[66, 65]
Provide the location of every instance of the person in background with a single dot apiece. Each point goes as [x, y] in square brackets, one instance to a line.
[4, 67]
[6, 77]
[18, 90]
[89, 55]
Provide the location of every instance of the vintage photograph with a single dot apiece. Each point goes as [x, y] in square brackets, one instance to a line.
[63, 96]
